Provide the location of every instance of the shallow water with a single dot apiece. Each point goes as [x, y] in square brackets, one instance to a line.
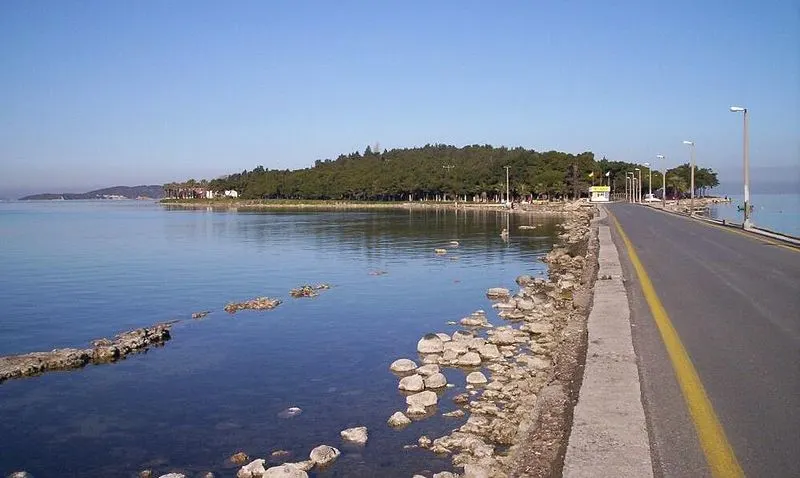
[75, 271]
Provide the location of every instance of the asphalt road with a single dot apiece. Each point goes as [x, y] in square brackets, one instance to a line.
[735, 303]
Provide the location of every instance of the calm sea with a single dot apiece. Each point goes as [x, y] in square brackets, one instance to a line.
[776, 212]
[75, 271]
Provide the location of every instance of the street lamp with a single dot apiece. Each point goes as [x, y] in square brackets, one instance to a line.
[746, 224]
[691, 201]
[638, 192]
[649, 181]
[663, 182]
[630, 190]
[508, 197]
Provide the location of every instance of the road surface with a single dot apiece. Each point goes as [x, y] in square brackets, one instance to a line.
[734, 301]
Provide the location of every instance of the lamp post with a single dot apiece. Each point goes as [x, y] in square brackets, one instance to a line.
[746, 224]
[663, 182]
[639, 186]
[649, 181]
[508, 197]
[691, 186]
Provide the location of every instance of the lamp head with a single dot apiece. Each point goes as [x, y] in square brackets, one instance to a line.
[660, 156]
[690, 143]
[737, 109]
[647, 164]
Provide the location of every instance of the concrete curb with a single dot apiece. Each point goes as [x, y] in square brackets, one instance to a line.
[609, 432]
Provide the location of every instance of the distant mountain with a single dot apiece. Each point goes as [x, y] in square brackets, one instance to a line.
[115, 192]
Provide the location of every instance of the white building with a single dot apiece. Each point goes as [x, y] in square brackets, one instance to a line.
[231, 193]
[599, 193]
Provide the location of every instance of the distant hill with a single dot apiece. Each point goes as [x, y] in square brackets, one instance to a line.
[115, 192]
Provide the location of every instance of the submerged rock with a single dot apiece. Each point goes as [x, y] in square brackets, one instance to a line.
[290, 412]
[324, 455]
[173, 475]
[287, 470]
[356, 435]
[200, 315]
[239, 458]
[403, 365]
[259, 303]
[440, 251]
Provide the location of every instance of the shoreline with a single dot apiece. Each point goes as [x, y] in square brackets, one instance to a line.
[537, 207]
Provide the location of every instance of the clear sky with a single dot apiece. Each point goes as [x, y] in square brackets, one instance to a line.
[98, 93]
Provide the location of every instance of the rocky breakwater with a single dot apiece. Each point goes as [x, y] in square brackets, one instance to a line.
[102, 351]
[519, 415]
[259, 303]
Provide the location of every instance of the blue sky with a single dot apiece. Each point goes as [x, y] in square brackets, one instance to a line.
[95, 93]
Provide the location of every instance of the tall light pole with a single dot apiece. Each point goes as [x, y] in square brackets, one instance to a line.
[746, 224]
[639, 186]
[663, 182]
[626, 186]
[508, 196]
[691, 201]
[649, 181]
[630, 189]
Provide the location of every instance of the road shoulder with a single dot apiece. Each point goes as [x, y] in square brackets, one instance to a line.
[609, 435]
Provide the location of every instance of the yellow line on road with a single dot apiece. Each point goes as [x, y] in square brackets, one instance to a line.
[719, 453]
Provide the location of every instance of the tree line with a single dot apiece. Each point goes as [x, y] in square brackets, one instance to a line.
[444, 172]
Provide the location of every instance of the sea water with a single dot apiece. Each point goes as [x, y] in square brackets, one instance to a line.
[776, 212]
[73, 271]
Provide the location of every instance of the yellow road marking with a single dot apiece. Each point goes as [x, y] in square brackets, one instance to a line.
[719, 453]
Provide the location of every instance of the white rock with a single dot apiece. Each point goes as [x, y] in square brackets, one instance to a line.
[476, 343]
[469, 359]
[412, 383]
[428, 359]
[504, 337]
[403, 365]
[462, 336]
[537, 328]
[430, 344]
[428, 370]
[489, 352]
[398, 420]
[422, 399]
[445, 474]
[443, 336]
[324, 455]
[476, 378]
[254, 469]
[356, 435]
[460, 347]
[436, 380]
[286, 470]
[415, 410]
[475, 471]
[168, 475]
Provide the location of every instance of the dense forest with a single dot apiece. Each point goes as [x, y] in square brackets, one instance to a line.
[447, 172]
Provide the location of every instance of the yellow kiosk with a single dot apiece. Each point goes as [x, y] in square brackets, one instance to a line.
[599, 193]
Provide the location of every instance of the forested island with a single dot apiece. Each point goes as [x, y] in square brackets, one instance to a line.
[445, 172]
[114, 192]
